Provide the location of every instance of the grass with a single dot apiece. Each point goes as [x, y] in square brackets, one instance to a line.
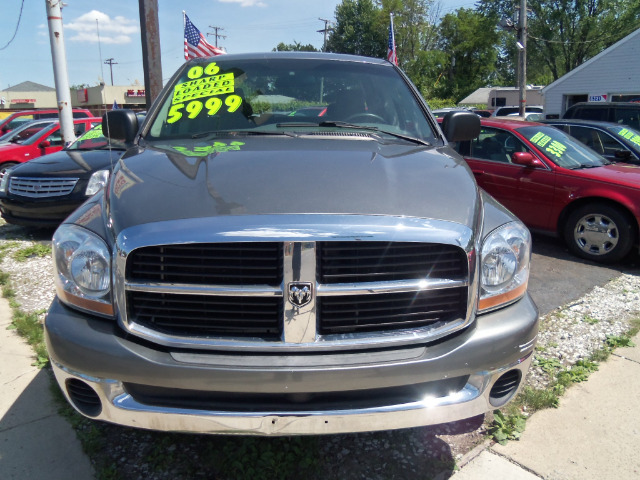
[509, 422]
[37, 250]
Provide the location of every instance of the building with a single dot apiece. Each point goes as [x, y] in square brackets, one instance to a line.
[27, 95]
[98, 99]
[611, 76]
[494, 97]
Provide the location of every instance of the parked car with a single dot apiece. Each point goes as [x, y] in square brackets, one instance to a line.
[625, 113]
[46, 141]
[528, 116]
[615, 142]
[25, 131]
[244, 271]
[441, 112]
[504, 111]
[17, 118]
[44, 191]
[555, 184]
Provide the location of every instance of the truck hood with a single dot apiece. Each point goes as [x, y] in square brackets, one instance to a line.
[283, 175]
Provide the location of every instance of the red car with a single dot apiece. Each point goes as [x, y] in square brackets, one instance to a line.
[16, 119]
[555, 184]
[48, 140]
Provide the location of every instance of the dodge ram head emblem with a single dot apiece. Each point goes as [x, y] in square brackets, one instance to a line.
[300, 293]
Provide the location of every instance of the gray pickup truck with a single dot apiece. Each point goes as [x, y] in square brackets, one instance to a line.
[290, 246]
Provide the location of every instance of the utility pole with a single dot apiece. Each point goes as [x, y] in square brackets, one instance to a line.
[63, 94]
[216, 33]
[325, 30]
[522, 58]
[111, 63]
[151, 61]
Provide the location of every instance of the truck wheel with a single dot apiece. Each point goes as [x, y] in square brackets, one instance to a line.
[599, 232]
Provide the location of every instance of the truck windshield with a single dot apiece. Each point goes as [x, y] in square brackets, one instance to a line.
[222, 95]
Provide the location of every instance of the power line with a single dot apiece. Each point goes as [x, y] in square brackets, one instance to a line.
[111, 63]
[17, 25]
[216, 33]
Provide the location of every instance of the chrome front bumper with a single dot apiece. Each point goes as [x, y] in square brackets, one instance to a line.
[121, 408]
[85, 349]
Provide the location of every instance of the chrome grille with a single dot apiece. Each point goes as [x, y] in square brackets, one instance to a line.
[41, 186]
[214, 294]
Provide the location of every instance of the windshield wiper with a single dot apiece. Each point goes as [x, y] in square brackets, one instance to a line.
[340, 124]
[239, 133]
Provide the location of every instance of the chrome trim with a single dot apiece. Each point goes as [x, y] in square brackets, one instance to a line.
[120, 408]
[211, 290]
[366, 288]
[297, 231]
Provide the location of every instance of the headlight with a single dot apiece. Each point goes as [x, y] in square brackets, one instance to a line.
[82, 269]
[504, 265]
[4, 181]
[97, 182]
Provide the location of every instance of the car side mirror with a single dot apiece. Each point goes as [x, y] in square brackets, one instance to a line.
[623, 154]
[460, 126]
[526, 159]
[45, 144]
[121, 124]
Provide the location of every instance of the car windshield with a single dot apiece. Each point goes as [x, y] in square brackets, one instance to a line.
[284, 95]
[561, 148]
[23, 132]
[628, 133]
[95, 140]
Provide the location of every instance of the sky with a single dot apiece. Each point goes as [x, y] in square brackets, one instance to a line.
[248, 25]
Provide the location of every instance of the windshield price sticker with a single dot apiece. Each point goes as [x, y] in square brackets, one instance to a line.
[551, 146]
[203, 87]
[217, 147]
[629, 135]
[93, 133]
[204, 83]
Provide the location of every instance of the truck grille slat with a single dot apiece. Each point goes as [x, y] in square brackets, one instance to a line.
[206, 315]
[226, 264]
[347, 262]
[363, 313]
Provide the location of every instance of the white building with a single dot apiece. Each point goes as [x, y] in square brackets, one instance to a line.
[611, 76]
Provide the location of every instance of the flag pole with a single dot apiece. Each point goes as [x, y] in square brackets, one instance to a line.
[184, 27]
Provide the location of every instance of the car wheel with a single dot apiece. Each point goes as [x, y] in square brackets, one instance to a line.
[6, 166]
[599, 232]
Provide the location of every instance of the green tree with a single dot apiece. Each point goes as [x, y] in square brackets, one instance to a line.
[294, 47]
[359, 29]
[563, 34]
[468, 39]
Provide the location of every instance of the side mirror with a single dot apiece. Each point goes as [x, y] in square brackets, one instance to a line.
[526, 159]
[120, 124]
[44, 144]
[623, 154]
[460, 126]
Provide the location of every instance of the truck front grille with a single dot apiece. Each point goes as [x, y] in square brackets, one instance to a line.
[41, 186]
[230, 291]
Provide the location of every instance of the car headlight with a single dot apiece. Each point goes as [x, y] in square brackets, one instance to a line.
[4, 181]
[82, 269]
[97, 182]
[504, 265]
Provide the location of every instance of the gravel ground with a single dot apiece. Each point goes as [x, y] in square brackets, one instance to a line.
[567, 334]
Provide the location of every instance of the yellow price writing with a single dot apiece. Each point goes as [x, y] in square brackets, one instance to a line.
[194, 107]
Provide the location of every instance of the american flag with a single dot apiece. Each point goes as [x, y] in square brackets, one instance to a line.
[195, 44]
[391, 49]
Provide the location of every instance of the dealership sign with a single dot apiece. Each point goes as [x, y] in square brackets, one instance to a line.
[598, 98]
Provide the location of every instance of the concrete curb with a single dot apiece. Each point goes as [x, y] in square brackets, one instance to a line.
[35, 441]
